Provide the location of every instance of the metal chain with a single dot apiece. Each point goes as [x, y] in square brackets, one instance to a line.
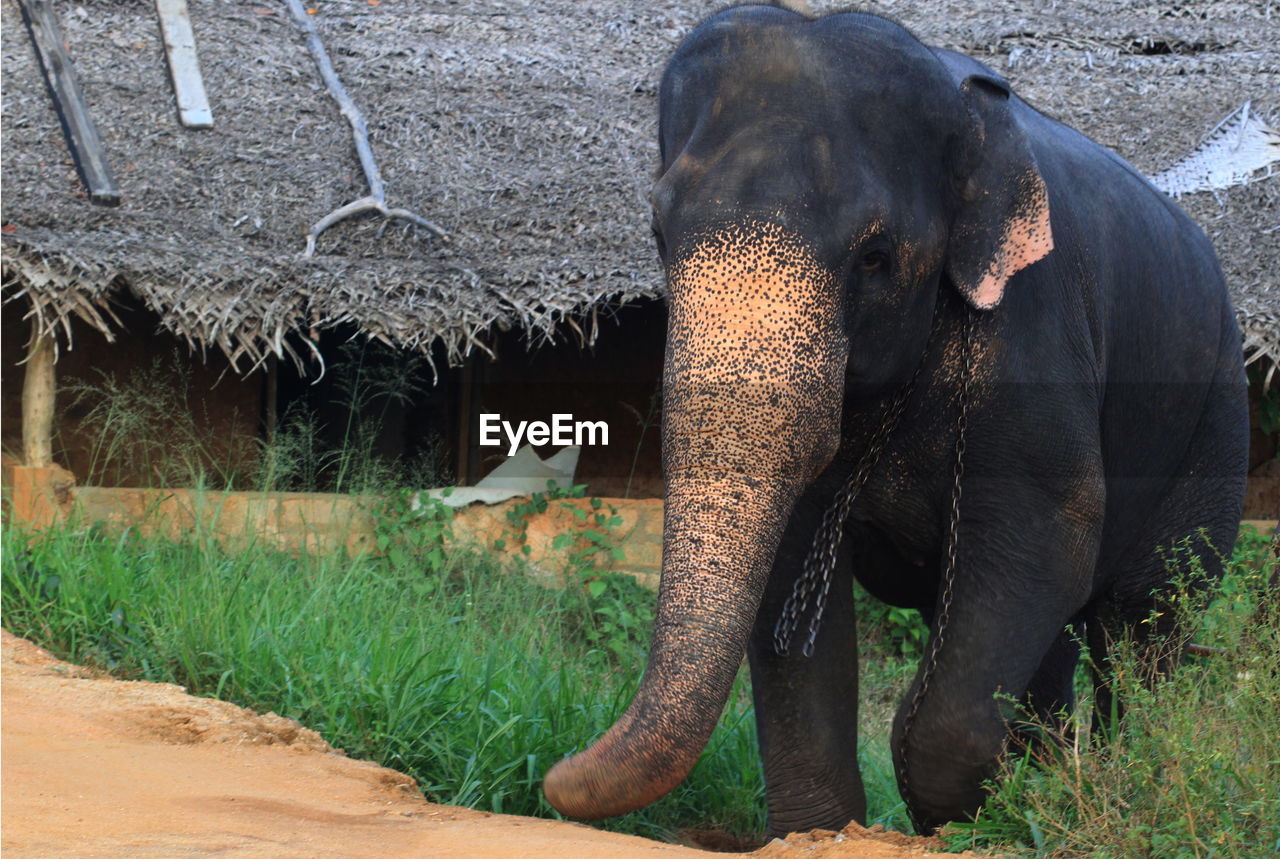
[949, 564]
[821, 561]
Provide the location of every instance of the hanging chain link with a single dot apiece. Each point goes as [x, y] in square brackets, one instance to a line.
[949, 563]
[821, 560]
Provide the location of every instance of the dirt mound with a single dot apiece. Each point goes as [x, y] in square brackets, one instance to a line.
[853, 840]
[96, 766]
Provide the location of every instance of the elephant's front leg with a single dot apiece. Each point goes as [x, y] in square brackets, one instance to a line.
[807, 707]
[1018, 581]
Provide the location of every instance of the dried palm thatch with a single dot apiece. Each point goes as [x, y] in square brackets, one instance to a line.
[527, 131]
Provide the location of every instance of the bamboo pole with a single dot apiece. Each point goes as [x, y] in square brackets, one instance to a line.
[38, 389]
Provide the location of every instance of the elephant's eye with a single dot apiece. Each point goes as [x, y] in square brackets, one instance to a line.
[656, 229]
[872, 261]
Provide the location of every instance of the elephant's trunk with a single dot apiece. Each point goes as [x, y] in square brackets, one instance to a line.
[752, 387]
[713, 574]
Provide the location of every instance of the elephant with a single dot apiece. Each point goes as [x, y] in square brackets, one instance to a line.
[852, 223]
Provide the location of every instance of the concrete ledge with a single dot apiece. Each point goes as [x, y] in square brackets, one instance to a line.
[554, 540]
[37, 497]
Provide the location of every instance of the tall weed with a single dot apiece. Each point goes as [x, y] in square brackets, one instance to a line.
[148, 427]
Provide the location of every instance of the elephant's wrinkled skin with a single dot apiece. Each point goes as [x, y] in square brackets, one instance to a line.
[822, 180]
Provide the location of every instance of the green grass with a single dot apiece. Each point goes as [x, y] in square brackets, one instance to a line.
[474, 680]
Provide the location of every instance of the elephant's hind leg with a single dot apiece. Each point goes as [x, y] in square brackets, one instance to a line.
[1180, 543]
[1050, 698]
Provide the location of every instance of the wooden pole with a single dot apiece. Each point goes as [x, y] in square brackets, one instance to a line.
[86, 147]
[184, 65]
[271, 415]
[467, 382]
[38, 390]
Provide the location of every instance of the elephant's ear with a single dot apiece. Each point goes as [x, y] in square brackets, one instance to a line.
[1002, 225]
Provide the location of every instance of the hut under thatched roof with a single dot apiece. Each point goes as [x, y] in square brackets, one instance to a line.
[526, 130]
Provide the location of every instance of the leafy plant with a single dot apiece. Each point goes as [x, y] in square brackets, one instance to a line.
[1268, 404]
[519, 513]
[537, 502]
[614, 615]
[586, 548]
[901, 631]
[411, 528]
[590, 546]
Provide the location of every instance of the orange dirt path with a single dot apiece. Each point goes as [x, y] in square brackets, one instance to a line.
[94, 766]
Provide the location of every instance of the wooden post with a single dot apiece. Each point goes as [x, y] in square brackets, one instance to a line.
[38, 390]
[271, 407]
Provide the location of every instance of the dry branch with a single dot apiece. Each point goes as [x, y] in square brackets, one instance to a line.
[375, 201]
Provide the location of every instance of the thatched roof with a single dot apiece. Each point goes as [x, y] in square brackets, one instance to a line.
[527, 130]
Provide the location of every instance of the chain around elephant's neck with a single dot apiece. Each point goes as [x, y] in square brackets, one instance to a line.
[815, 581]
[948, 568]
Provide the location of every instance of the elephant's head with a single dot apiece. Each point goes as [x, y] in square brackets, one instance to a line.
[819, 179]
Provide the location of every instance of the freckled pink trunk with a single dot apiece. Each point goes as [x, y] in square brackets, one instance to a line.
[751, 412]
[714, 566]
